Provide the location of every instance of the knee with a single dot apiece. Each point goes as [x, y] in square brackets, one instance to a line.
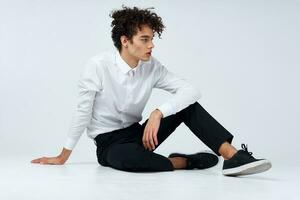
[125, 156]
[192, 107]
[196, 104]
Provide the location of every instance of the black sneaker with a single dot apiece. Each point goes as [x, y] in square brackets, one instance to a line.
[243, 163]
[201, 160]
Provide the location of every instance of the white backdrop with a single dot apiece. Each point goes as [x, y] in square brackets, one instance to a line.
[242, 55]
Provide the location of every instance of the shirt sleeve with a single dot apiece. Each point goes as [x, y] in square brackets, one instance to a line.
[184, 93]
[89, 84]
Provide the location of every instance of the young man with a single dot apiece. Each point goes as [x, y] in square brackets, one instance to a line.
[113, 91]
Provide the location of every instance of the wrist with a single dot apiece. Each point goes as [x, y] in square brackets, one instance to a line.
[157, 113]
[61, 157]
[61, 160]
[65, 153]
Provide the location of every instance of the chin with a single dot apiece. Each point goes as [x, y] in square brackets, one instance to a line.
[146, 58]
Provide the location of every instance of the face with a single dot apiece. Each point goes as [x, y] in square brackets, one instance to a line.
[141, 44]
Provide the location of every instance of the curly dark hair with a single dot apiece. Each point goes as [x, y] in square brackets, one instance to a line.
[127, 20]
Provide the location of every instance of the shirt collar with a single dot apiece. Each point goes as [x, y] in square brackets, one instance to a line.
[124, 67]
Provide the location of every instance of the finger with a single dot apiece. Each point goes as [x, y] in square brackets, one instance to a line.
[155, 138]
[39, 160]
[146, 136]
[35, 160]
[147, 140]
[48, 161]
[144, 139]
[43, 161]
[151, 140]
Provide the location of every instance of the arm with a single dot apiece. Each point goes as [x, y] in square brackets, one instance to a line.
[184, 93]
[89, 84]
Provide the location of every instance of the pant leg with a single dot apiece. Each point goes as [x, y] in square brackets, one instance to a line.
[200, 122]
[123, 149]
[119, 149]
[135, 158]
[205, 127]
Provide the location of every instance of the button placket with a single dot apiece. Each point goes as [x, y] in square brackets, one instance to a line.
[130, 89]
[122, 108]
[127, 92]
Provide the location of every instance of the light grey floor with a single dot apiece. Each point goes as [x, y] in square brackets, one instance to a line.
[87, 180]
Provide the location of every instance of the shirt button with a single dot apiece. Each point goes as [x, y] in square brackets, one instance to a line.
[131, 73]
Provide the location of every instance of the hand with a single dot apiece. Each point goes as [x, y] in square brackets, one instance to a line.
[49, 160]
[58, 160]
[151, 129]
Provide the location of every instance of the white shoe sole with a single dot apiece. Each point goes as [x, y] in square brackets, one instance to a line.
[251, 168]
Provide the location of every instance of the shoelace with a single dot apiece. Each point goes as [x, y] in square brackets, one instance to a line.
[245, 148]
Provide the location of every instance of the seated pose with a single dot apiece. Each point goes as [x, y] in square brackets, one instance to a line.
[113, 91]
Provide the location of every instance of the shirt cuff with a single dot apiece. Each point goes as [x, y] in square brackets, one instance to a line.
[166, 109]
[70, 144]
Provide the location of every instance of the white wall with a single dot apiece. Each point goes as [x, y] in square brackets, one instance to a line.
[242, 55]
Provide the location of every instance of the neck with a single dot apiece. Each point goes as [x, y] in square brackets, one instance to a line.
[131, 61]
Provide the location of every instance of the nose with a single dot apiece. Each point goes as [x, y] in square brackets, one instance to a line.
[151, 45]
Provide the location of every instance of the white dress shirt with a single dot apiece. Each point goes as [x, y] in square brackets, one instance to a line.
[113, 96]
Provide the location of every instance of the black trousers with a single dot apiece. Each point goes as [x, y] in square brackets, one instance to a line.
[123, 149]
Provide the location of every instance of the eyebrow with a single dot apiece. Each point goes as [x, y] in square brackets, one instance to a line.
[145, 36]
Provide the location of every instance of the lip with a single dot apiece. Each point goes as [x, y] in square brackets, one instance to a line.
[148, 53]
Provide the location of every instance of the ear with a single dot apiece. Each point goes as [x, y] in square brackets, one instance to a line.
[124, 41]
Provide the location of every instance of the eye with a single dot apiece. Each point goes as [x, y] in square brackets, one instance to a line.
[144, 40]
